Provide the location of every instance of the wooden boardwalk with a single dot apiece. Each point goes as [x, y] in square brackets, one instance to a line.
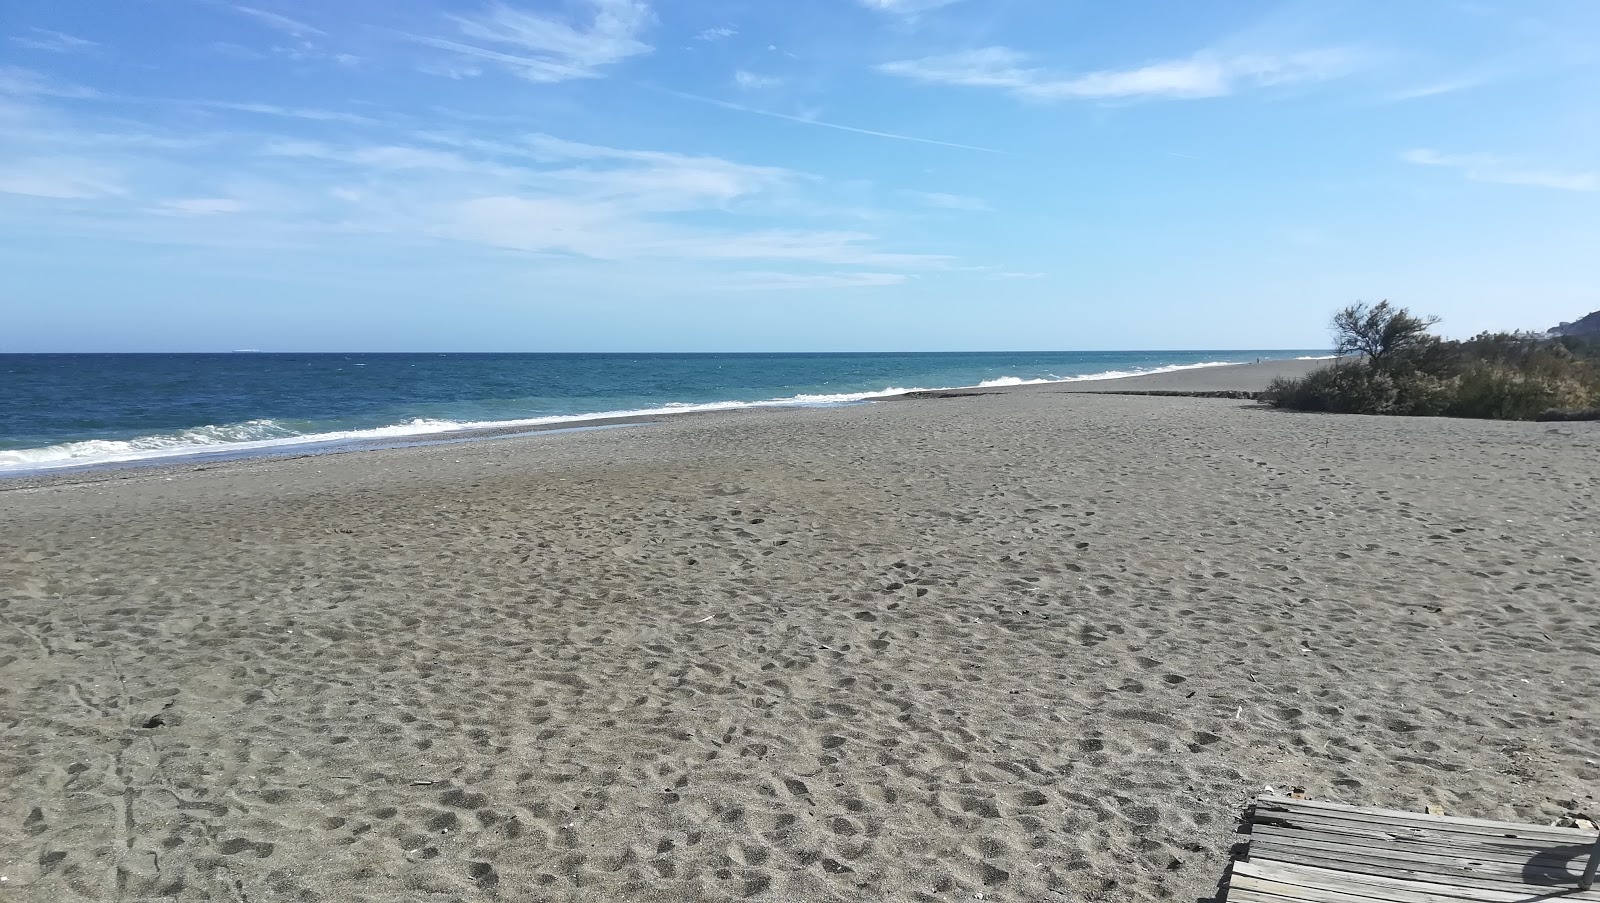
[1314, 852]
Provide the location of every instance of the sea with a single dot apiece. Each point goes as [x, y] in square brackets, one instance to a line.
[61, 411]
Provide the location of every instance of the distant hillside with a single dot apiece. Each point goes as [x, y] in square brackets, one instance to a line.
[1588, 327]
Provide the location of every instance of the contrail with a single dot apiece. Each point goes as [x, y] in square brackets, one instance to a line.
[828, 125]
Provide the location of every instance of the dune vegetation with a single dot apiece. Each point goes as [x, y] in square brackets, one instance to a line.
[1390, 363]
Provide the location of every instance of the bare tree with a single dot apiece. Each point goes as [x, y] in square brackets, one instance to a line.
[1381, 332]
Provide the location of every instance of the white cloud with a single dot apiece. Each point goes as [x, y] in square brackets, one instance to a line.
[905, 7]
[646, 180]
[388, 158]
[201, 206]
[53, 41]
[1435, 89]
[267, 109]
[712, 35]
[490, 187]
[771, 281]
[610, 230]
[19, 82]
[1201, 75]
[450, 70]
[545, 49]
[811, 120]
[948, 201]
[1489, 168]
[59, 178]
[749, 81]
[304, 46]
[293, 27]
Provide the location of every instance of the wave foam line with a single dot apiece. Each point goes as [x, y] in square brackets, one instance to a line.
[1094, 377]
[268, 435]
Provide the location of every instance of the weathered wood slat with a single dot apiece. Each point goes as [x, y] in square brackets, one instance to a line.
[1356, 825]
[1269, 889]
[1478, 848]
[1411, 834]
[1442, 856]
[1399, 863]
[1435, 823]
[1392, 869]
[1398, 888]
[1304, 851]
[1241, 895]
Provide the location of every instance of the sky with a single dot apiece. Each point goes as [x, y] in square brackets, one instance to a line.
[750, 175]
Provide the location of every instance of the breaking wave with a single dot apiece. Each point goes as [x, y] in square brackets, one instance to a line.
[266, 436]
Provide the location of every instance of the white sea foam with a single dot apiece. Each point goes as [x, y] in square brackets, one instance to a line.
[268, 435]
[1318, 357]
[237, 437]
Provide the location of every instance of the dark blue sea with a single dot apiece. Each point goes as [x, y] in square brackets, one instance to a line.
[71, 410]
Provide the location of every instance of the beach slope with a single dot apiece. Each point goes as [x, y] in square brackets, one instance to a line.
[1031, 645]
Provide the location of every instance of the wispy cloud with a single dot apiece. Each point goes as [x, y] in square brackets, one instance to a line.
[282, 23]
[726, 105]
[1490, 168]
[948, 201]
[770, 281]
[905, 7]
[307, 113]
[654, 180]
[1434, 89]
[1198, 76]
[305, 45]
[200, 206]
[59, 178]
[548, 195]
[545, 49]
[610, 232]
[381, 157]
[53, 41]
[712, 35]
[392, 182]
[749, 81]
[19, 82]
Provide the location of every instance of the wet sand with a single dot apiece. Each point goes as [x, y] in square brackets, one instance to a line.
[1032, 645]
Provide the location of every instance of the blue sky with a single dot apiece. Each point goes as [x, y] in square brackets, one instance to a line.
[754, 175]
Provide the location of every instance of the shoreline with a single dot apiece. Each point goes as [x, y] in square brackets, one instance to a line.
[1185, 378]
[1031, 645]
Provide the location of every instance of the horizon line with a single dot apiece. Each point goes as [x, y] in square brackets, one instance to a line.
[254, 351]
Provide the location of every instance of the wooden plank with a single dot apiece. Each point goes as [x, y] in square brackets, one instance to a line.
[1380, 868]
[1447, 823]
[1250, 896]
[1354, 882]
[1400, 862]
[1442, 857]
[1486, 848]
[1455, 847]
[1269, 889]
[1413, 833]
[1353, 825]
[1312, 879]
[1416, 821]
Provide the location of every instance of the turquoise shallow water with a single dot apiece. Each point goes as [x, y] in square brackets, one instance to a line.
[64, 410]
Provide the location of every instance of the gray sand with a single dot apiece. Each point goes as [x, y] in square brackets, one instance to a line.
[1034, 646]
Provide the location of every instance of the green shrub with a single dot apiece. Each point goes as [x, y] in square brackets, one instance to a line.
[1498, 391]
[1359, 387]
[1403, 370]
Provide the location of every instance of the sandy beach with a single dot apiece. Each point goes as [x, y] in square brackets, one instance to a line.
[1033, 644]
